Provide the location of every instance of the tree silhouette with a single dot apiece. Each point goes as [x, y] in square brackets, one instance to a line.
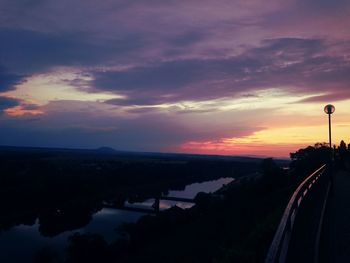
[272, 173]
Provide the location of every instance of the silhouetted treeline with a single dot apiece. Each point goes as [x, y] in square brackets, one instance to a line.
[65, 188]
[342, 155]
[308, 159]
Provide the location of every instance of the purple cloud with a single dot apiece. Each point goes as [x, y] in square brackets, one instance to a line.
[301, 65]
[6, 103]
[165, 52]
[8, 80]
[330, 97]
[31, 51]
[29, 107]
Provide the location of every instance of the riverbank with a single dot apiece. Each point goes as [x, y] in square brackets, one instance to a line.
[52, 194]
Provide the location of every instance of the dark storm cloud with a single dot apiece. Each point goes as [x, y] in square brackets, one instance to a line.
[298, 65]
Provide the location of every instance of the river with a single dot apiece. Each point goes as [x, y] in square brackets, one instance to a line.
[21, 243]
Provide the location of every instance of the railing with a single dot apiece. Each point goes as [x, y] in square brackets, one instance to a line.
[279, 246]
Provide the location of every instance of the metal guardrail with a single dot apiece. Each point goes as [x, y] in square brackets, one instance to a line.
[279, 246]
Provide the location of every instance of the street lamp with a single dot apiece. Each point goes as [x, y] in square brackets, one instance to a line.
[329, 109]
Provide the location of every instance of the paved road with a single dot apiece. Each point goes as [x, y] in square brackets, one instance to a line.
[335, 241]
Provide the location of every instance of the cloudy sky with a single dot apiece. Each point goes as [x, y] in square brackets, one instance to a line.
[242, 77]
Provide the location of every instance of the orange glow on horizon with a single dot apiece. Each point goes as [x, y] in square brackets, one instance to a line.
[250, 149]
[275, 142]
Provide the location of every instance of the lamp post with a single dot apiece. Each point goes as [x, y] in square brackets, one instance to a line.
[329, 109]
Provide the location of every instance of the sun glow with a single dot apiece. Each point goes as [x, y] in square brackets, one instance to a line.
[58, 84]
[278, 142]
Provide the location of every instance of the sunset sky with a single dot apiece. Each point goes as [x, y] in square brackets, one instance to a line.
[197, 76]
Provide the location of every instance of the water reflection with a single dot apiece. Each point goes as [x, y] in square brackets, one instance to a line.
[22, 242]
[106, 221]
[28, 241]
[192, 189]
[189, 192]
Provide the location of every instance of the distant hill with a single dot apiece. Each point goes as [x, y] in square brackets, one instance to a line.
[106, 150]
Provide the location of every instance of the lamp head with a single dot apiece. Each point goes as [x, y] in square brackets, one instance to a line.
[329, 109]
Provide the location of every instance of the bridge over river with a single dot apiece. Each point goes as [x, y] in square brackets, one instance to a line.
[155, 207]
[315, 226]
